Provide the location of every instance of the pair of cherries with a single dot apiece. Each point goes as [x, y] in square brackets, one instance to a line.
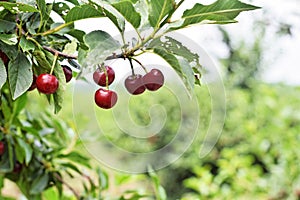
[135, 84]
[105, 98]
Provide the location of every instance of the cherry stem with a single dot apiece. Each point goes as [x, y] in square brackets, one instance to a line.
[54, 62]
[102, 67]
[131, 65]
[144, 68]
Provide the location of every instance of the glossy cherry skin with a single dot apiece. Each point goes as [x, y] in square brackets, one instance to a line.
[33, 84]
[2, 148]
[47, 83]
[100, 77]
[153, 80]
[4, 58]
[134, 84]
[105, 98]
[67, 72]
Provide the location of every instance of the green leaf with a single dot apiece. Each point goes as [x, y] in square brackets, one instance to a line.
[189, 61]
[70, 48]
[177, 65]
[142, 8]
[3, 74]
[102, 179]
[75, 2]
[18, 7]
[1, 182]
[6, 110]
[127, 9]
[43, 12]
[101, 45]
[159, 10]
[77, 158]
[159, 190]
[69, 165]
[176, 48]
[20, 104]
[82, 12]
[78, 34]
[26, 149]
[10, 50]
[10, 39]
[42, 60]
[39, 184]
[61, 8]
[220, 12]
[114, 17]
[187, 70]
[6, 26]
[26, 45]
[51, 193]
[20, 75]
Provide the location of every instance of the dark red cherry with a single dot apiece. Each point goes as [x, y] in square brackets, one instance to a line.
[47, 83]
[99, 76]
[17, 168]
[33, 84]
[153, 80]
[67, 72]
[105, 98]
[2, 148]
[4, 58]
[134, 84]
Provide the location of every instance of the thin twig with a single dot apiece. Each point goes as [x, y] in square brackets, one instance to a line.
[54, 51]
[59, 178]
[115, 56]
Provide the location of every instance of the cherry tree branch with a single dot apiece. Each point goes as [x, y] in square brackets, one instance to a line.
[60, 179]
[54, 52]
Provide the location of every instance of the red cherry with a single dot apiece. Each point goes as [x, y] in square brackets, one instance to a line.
[67, 72]
[17, 168]
[2, 148]
[4, 58]
[33, 84]
[134, 84]
[100, 78]
[47, 83]
[153, 80]
[105, 98]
